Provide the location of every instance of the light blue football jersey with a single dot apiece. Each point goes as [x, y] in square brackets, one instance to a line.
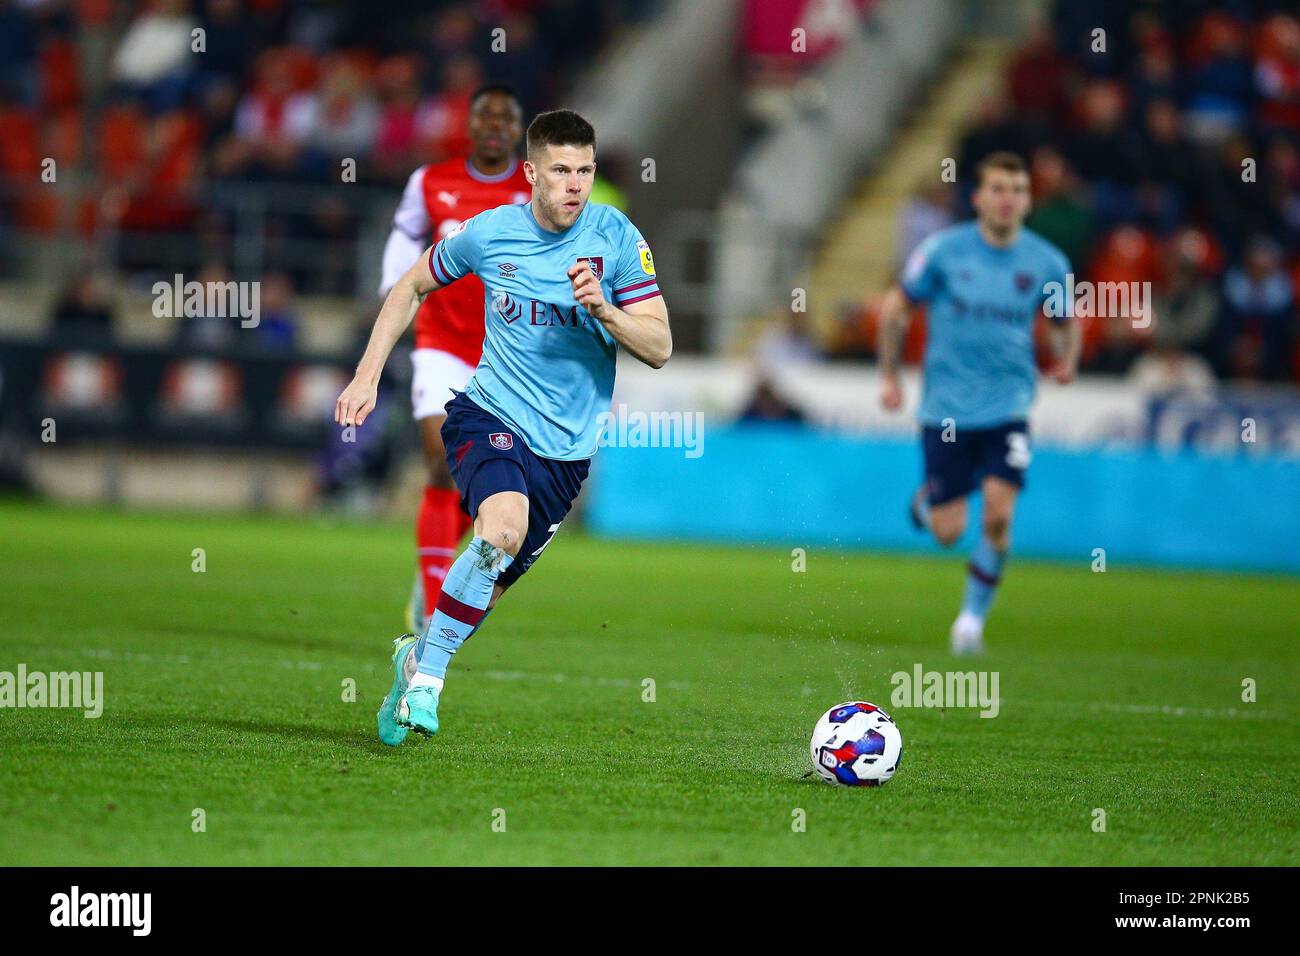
[979, 367]
[548, 366]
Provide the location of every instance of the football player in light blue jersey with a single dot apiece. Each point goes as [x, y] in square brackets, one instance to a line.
[984, 282]
[567, 283]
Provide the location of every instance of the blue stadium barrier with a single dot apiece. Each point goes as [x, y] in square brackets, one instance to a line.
[792, 486]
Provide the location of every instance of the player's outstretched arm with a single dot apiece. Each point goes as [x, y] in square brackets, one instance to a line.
[643, 329]
[357, 401]
[894, 315]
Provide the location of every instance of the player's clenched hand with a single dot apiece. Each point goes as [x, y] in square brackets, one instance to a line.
[891, 394]
[586, 289]
[355, 403]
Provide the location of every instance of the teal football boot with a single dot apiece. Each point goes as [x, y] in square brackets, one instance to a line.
[418, 710]
[391, 731]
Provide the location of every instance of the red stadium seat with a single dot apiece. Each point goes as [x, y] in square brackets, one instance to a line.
[20, 154]
[60, 75]
[21, 158]
[121, 142]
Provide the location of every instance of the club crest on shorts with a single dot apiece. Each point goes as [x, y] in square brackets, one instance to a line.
[597, 264]
[502, 440]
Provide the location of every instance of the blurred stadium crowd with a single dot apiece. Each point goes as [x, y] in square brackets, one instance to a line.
[1164, 141]
[1165, 149]
[163, 142]
[208, 140]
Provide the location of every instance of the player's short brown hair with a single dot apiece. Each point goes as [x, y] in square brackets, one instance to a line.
[1004, 160]
[559, 128]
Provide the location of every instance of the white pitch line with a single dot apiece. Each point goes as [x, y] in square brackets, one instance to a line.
[141, 657]
[1171, 710]
[583, 680]
[144, 657]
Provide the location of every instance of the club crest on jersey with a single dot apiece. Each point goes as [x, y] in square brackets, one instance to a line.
[506, 306]
[1023, 281]
[597, 264]
[502, 440]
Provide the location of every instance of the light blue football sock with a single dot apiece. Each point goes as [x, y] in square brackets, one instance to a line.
[982, 576]
[462, 605]
[922, 501]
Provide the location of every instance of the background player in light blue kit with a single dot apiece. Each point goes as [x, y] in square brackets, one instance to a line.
[984, 282]
[566, 283]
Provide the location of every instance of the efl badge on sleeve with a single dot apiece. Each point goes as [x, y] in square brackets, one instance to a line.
[647, 260]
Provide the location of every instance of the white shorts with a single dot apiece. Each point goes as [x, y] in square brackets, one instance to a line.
[434, 374]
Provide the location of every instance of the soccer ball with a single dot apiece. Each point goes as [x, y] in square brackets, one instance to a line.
[856, 744]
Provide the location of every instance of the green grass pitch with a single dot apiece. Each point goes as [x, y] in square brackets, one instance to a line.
[225, 692]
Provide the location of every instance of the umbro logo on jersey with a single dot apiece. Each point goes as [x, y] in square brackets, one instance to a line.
[502, 440]
[508, 269]
[1024, 281]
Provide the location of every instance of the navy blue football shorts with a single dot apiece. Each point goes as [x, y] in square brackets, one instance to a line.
[953, 469]
[487, 457]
